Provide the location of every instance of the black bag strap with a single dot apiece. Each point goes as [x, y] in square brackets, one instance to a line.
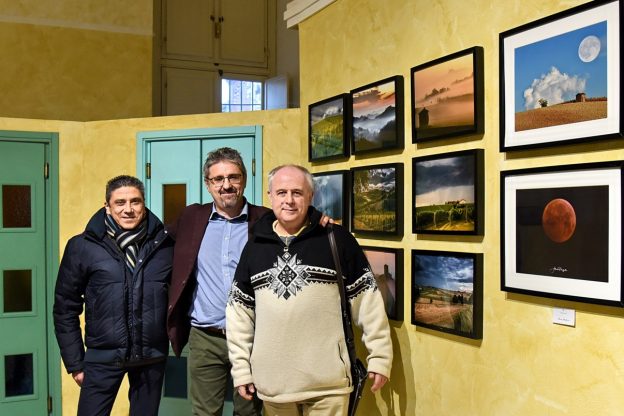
[346, 311]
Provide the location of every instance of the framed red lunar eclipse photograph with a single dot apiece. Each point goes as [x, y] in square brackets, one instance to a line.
[561, 232]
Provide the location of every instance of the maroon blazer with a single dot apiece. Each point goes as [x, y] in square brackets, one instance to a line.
[188, 233]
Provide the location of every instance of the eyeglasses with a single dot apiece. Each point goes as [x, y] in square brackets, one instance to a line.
[220, 180]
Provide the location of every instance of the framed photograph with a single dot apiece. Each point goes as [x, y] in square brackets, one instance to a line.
[377, 110]
[331, 195]
[328, 122]
[560, 79]
[377, 200]
[448, 193]
[387, 266]
[562, 232]
[447, 292]
[448, 96]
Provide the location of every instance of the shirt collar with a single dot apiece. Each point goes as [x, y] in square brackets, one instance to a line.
[242, 217]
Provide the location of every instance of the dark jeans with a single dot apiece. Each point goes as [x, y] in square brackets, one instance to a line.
[101, 384]
[209, 368]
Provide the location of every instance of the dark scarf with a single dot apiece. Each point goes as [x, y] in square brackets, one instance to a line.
[128, 241]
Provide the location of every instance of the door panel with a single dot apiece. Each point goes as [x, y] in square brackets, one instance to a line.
[176, 181]
[189, 91]
[23, 354]
[174, 162]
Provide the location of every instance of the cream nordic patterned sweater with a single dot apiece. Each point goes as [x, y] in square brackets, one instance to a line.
[283, 317]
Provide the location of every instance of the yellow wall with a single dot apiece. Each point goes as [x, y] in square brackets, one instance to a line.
[91, 153]
[76, 59]
[524, 365]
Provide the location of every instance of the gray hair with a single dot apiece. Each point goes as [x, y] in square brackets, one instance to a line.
[306, 173]
[121, 181]
[224, 154]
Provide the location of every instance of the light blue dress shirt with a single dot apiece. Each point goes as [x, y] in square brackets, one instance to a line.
[218, 257]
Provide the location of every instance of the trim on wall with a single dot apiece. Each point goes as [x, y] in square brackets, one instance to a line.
[299, 10]
[72, 24]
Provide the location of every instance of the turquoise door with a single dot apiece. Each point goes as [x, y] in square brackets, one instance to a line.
[23, 310]
[172, 166]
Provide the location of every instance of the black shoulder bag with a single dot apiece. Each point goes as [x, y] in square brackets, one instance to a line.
[359, 374]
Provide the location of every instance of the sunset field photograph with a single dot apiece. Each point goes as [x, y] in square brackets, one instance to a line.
[444, 95]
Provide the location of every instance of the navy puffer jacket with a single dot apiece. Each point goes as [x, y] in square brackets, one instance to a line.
[125, 313]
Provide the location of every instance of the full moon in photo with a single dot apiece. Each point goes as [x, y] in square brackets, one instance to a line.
[589, 48]
[559, 220]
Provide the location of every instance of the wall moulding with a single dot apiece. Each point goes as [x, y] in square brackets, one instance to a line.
[299, 10]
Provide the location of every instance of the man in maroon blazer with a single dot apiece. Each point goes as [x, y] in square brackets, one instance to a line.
[209, 240]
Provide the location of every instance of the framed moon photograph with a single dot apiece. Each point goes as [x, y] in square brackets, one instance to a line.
[387, 267]
[377, 116]
[331, 195]
[561, 232]
[447, 96]
[328, 128]
[560, 80]
[448, 193]
[447, 292]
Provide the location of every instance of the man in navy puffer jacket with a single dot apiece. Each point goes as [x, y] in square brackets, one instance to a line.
[119, 268]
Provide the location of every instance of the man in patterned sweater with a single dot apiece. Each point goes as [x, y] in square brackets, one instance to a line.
[285, 335]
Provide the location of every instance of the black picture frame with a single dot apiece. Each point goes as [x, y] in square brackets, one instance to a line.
[561, 78]
[447, 193]
[377, 121]
[561, 232]
[328, 128]
[448, 96]
[447, 292]
[377, 200]
[387, 267]
[331, 195]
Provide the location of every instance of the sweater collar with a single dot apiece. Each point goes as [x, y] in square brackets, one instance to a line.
[264, 227]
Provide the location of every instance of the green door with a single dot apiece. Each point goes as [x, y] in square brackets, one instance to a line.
[174, 161]
[23, 349]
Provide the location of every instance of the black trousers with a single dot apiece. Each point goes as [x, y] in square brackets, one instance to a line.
[101, 384]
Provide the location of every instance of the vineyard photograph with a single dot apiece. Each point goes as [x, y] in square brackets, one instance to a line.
[375, 200]
[445, 194]
[327, 128]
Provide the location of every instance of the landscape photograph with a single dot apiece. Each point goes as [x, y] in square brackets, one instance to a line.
[444, 97]
[562, 79]
[327, 128]
[375, 200]
[443, 295]
[384, 267]
[444, 193]
[329, 195]
[375, 117]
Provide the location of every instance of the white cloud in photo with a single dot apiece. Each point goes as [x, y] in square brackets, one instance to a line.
[555, 87]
